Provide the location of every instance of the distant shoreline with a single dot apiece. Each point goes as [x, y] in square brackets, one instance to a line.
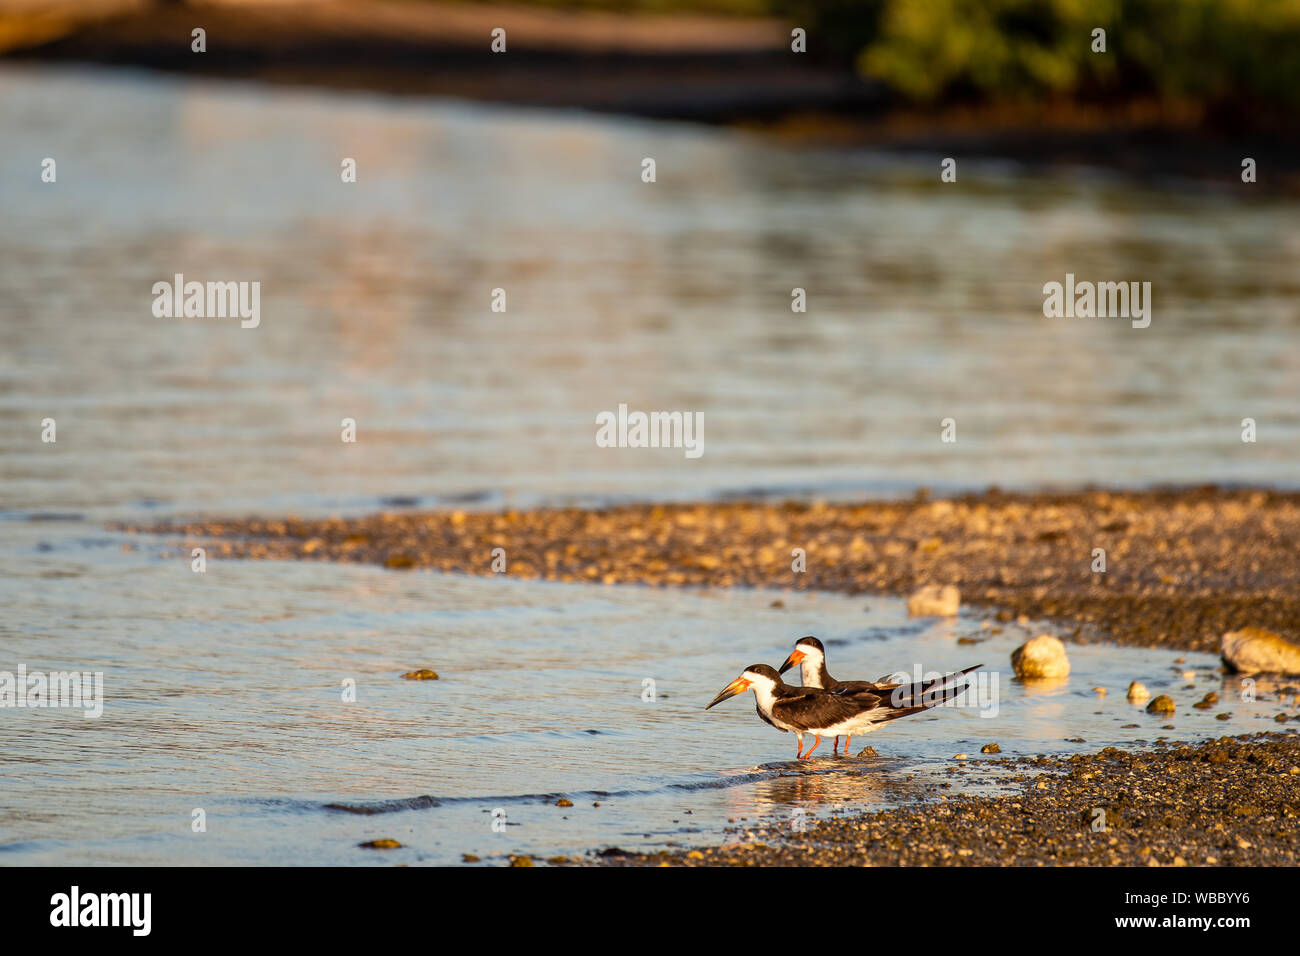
[715, 70]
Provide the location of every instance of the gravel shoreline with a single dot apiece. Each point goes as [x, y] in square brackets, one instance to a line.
[1182, 566]
[1234, 801]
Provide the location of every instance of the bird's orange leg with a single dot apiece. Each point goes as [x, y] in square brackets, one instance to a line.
[814, 747]
[835, 747]
[846, 744]
[799, 753]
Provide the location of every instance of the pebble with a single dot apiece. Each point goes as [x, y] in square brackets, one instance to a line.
[934, 601]
[1138, 692]
[1040, 657]
[990, 749]
[1253, 650]
[422, 674]
[1164, 704]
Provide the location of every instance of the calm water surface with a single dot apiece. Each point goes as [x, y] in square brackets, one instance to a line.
[224, 689]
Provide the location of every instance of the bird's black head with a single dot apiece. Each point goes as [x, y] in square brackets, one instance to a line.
[761, 674]
[804, 647]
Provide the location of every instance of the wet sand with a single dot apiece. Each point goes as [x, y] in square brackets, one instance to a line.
[1182, 566]
[1228, 802]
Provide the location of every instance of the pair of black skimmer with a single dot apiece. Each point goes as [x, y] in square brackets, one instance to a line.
[825, 707]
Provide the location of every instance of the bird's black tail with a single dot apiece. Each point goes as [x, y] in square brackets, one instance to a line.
[914, 698]
[928, 701]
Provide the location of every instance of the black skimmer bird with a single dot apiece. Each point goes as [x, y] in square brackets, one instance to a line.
[810, 655]
[808, 710]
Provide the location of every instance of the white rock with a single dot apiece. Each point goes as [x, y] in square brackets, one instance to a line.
[1138, 692]
[934, 601]
[1253, 650]
[1042, 656]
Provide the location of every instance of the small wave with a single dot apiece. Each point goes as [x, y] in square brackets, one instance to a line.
[721, 782]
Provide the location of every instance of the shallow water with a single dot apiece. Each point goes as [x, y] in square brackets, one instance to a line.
[224, 689]
[925, 302]
[223, 692]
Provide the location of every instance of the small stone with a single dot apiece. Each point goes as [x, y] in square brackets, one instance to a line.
[399, 561]
[422, 674]
[695, 855]
[1041, 657]
[1099, 690]
[1253, 650]
[1164, 704]
[380, 845]
[1138, 692]
[868, 752]
[934, 601]
[521, 861]
[990, 749]
[468, 858]
[959, 757]
[563, 802]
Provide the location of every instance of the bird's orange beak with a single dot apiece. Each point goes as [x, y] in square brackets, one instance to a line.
[795, 657]
[737, 686]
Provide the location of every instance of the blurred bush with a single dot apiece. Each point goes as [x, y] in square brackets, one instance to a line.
[1226, 54]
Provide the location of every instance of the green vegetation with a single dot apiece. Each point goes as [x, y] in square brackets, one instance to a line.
[1226, 54]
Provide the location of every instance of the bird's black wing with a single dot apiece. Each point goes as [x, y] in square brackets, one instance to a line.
[815, 708]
